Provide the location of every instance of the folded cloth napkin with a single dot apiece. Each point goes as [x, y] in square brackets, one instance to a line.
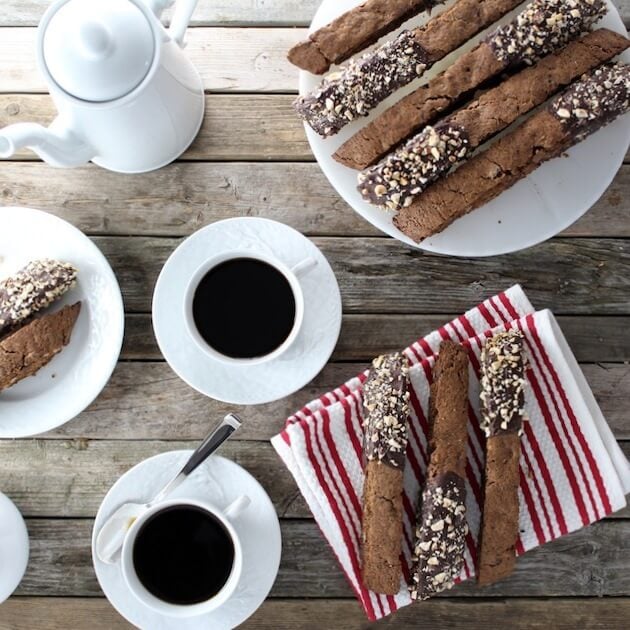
[572, 470]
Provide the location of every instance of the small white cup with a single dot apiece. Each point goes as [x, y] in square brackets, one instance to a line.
[291, 274]
[224, 516]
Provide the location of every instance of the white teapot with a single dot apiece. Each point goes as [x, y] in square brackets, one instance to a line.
[128, 98]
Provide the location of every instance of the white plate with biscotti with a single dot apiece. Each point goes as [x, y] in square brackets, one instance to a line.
[77, 372]
[545, 203]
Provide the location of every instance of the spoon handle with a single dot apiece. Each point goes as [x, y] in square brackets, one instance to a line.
[230, 423]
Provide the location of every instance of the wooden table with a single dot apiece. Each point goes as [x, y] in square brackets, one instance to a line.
[252, 159]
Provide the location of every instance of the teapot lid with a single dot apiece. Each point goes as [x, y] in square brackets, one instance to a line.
[98, 50]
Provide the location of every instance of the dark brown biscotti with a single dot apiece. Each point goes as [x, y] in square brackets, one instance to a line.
[33, 288]
[386, 409]
[353, 31]
[404, 174]
[27, 350]
[355, 89]
[469, 72]
[503, 364]
[441, 529]
[586, 106]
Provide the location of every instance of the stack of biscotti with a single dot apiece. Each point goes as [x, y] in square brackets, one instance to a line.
[502, 407]
[404, 174]
[587, 105]
[386, 409]
[29, 336]
[354, 90]
[441, 528]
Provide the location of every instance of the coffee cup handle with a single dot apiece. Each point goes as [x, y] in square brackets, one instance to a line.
[304, 266]
[237, 507]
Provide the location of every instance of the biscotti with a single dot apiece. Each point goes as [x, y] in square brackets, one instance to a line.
[441, 529]
[473, 69]
[386, 410]
[502, 407]
[32, 289]
[354, 90]
[396, 180]
[28, 349]
[353, 31]
[583, 108]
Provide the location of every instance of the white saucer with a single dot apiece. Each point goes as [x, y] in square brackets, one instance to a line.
[13, 547]
[219, 481]
[248, 384]
[543, 204]
[74, 378]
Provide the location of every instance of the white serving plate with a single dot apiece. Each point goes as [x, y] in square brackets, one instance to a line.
[535, 209]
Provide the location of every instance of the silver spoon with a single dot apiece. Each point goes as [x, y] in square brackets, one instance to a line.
[112, 534]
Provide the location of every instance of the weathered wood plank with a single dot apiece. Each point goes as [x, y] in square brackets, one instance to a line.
[591, 562]
[593, 339]
[147, 399]
[27, 613]
[228, 59]
[181, 198]
[235, 127]
[69, 478]
[207, 13]
[377, 275]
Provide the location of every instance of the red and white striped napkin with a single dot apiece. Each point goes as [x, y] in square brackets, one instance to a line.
[572, 470]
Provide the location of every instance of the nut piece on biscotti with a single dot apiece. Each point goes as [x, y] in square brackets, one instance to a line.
[33, 288]
[441, 529]
[502, 407]
[385, 412]
[31, 347]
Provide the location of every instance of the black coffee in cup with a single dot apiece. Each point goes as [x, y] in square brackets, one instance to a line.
[244, 308]
[183, 555]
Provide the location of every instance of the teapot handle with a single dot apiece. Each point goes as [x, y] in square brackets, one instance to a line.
[181, 19]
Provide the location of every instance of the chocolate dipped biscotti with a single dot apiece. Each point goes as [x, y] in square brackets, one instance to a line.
[28, 349]
[32, 289]
[502, 407]
[404, 174]
[441, 529]
[357, 88]
[386, 410]
[544, 26]
[586, 106]
[353, 31]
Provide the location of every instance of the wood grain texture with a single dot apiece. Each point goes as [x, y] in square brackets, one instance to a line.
[228, 59]
[148, 402]
[377, 275]
[69, 478]
[28, 613]
[591, 562]
[181, 198]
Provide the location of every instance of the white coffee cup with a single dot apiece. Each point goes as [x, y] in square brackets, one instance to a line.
[225, 517]
[292, 276]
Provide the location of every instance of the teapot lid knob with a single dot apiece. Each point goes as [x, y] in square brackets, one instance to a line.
[97, 50]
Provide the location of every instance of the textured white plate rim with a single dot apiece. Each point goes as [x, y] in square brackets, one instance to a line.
[295, 373]
[273, 544]
[78, 401]
[604, 150]
[14, 547]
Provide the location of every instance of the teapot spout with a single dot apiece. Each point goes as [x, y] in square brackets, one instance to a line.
[56, 147]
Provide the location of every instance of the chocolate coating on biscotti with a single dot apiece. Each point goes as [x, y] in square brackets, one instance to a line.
[353, 31]
[405, 173]
[386, 409]
[24, 352]
[440, 536]
[544, 26]
[546, 135]
[33, 288]
[503, 363]
[357, 88]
